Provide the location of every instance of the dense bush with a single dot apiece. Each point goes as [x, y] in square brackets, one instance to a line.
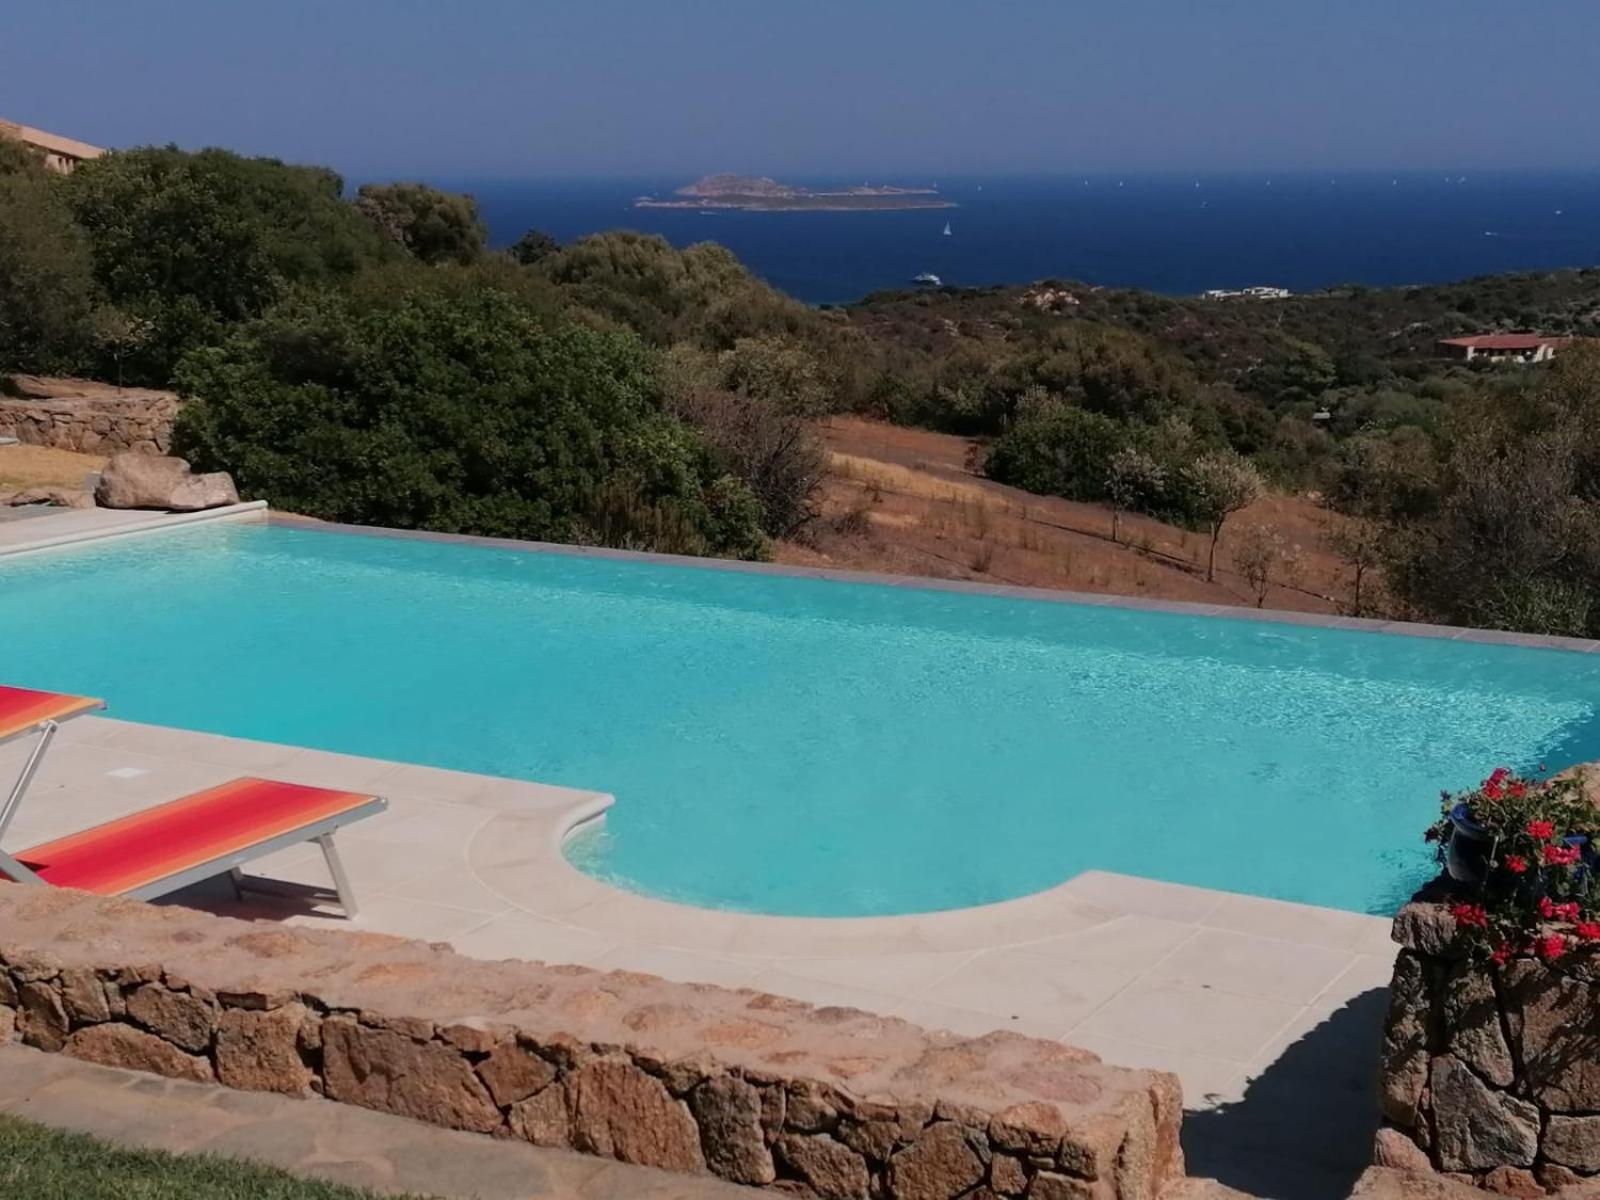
[1513, 541]
[370, 360]
[1062, 451]
[47, 290]
[755, 404]
[192, 243]
[433, 226]
[465, 414]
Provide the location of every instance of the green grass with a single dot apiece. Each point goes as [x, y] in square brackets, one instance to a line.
[45, 1164]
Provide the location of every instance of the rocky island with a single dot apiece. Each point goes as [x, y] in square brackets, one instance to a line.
[768, 195]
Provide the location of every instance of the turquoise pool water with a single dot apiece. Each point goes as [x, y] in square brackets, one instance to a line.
[798, 746]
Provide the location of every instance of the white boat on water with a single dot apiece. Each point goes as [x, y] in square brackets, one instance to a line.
[928, 279]
[947, 229]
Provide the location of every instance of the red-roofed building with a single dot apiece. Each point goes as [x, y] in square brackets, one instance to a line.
[1503, 347]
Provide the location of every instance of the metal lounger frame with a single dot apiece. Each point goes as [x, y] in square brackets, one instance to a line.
[320, 832]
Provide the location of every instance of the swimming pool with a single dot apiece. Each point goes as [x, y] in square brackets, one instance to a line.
[792, 745]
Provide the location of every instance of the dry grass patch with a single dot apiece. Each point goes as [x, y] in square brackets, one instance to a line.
[42, 466]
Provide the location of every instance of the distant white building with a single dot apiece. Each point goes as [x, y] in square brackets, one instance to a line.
[1503, 347]
[1249, 293]
[61, 154]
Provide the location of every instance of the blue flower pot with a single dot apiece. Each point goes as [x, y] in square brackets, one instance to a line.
[1466, 850]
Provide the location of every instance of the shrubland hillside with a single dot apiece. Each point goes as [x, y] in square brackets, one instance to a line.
[370, 358]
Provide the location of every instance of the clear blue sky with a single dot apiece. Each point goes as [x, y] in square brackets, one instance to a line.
[515, 88]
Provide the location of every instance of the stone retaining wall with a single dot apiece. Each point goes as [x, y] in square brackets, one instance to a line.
[93, 425]
[1490, 1074]
[828, 1102]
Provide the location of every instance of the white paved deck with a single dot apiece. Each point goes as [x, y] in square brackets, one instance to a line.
[1258, 1006]
[65, 527]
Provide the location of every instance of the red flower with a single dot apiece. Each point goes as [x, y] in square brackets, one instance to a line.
[1552, 947]
[1499, 774]
[1560, 856]
[1517, 788]
[1516, 864]
[1551, 911]
[1589, 931]
[1543, 830]
[1501, 954]
[1470, 915]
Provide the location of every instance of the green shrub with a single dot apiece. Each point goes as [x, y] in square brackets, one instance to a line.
[1062, 451]
[47, 288]
[463, 414]
[192, 243]
[433, 226]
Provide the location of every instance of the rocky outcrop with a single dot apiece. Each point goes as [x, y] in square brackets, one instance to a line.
[1491, 1075]
[157, 481]
[761, 1091]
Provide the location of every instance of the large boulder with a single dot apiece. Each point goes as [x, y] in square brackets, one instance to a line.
[160, 481]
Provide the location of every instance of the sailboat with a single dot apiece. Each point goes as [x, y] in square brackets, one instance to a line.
[947, 229]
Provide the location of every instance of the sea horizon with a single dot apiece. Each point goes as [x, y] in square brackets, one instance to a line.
[1176, 233]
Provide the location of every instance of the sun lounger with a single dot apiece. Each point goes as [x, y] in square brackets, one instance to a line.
[163, 849]
[24, 711]
[209, 833]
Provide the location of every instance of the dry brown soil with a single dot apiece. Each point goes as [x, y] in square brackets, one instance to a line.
[909, 502]
[41, 466]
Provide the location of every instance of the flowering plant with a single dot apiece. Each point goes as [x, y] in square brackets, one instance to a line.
[1530, 839]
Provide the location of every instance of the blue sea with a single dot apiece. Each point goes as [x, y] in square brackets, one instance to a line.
[1163, 233]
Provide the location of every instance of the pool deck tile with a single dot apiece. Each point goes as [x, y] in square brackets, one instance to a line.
[1224, 990]
[1191, 1018]
[1252, 966]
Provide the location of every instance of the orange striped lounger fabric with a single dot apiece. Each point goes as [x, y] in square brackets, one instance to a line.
[23, 710]
[163, 849]
[214, 826]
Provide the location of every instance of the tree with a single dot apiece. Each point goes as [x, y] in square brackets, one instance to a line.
[434, 226]
[770, 449]
[461, 414]
[533, 247]
[47, 287]
[1360, 543]
[779, 370]
[194, 243]
[117, 334]
[1061, 451]
[1264, 557]
[1513, 541]
[1219, 484]
[1134, 480]
[764, 435]
[702, 294]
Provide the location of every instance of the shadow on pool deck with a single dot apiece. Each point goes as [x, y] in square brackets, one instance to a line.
[1304, 1127]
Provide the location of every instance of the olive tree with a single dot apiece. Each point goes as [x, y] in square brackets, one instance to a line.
[1134, 480]
[1219, 484]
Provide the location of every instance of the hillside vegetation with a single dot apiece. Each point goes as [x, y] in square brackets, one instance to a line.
[370, 359]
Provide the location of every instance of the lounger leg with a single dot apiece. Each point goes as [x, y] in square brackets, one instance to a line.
[341, 881]
[236, 877]
[47, 731]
